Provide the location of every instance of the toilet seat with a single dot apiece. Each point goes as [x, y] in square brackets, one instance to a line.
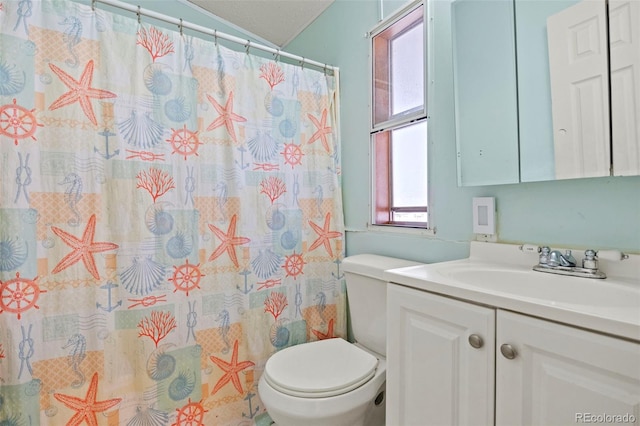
[320, 369]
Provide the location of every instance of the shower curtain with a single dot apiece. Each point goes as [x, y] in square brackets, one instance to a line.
[170, 216]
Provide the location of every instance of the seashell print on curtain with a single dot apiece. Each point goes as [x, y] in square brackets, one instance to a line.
[170, 216]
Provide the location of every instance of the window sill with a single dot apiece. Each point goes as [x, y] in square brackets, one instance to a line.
[393, 229]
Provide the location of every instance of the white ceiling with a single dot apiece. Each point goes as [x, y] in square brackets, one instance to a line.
[275, 21]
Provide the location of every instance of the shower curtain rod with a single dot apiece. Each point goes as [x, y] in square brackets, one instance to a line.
[215, 33]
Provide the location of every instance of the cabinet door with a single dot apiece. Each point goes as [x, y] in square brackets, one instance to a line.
[578, 65]
[562, 375]
[434, 375]
[624, 42]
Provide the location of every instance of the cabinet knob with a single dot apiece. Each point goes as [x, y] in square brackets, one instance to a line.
[508, 351]
[476, 341]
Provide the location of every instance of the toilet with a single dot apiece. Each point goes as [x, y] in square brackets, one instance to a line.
[333, 382]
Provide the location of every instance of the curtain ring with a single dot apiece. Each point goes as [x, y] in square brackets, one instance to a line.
[139, 14]
[325, 69]
[276, 56]
[93, 5]
[302, 63]
[215, 37]
[180, 26]
[247, 46]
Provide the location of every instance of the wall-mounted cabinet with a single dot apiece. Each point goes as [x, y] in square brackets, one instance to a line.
[486, 92]
[564, 99]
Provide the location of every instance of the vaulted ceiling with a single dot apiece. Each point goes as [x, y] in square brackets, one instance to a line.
[275, 21]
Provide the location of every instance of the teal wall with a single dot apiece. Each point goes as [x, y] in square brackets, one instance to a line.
[599, 213]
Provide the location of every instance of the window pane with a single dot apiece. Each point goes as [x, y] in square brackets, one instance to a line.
[409, 166]
[382, 177]
[398, 68]
[407, 71]
[399, 130]
[410, 217]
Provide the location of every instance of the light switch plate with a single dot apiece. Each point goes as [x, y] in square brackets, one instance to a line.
[484, 209]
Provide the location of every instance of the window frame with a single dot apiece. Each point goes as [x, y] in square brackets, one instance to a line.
[413, 116]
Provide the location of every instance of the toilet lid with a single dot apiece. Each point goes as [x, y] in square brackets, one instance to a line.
[320, 369]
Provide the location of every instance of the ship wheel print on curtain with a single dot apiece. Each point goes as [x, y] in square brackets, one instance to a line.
[17, 122]
[19, 294]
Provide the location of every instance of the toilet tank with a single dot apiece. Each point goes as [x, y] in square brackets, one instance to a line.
[367, 295]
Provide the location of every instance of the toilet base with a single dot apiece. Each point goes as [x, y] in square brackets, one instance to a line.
[374, 415]
[377, 412]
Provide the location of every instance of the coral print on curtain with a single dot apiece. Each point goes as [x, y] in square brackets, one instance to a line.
[170, 216]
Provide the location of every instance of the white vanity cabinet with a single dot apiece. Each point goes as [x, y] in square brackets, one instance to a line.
[434, 375]
[562, 375]
[526, 371]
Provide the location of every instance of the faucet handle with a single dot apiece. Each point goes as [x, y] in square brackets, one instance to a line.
[590, 260]
[568, 259]
[543, 259]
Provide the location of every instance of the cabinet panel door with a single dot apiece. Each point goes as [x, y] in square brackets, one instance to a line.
[624, 42]
[434, 376]
[562, 375]
[580, 90]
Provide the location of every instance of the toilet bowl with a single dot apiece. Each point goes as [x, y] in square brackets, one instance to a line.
[333, 382]
[324, 383]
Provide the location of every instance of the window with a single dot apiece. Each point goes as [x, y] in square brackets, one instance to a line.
[399, 120]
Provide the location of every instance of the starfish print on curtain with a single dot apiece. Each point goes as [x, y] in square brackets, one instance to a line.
[322, 132]
[79, 91]
[324, 235]
[227, 116]
[87, 408]
[231, 370]
[328, 335]
[83, 248]
[229, 241]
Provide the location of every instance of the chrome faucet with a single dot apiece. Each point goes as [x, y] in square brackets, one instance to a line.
[556, 262]
[558, 259]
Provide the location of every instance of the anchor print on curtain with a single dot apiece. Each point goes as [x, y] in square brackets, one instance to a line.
[170, 216]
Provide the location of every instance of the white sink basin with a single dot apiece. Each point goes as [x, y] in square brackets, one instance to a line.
[501, 276]
[545, 287]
